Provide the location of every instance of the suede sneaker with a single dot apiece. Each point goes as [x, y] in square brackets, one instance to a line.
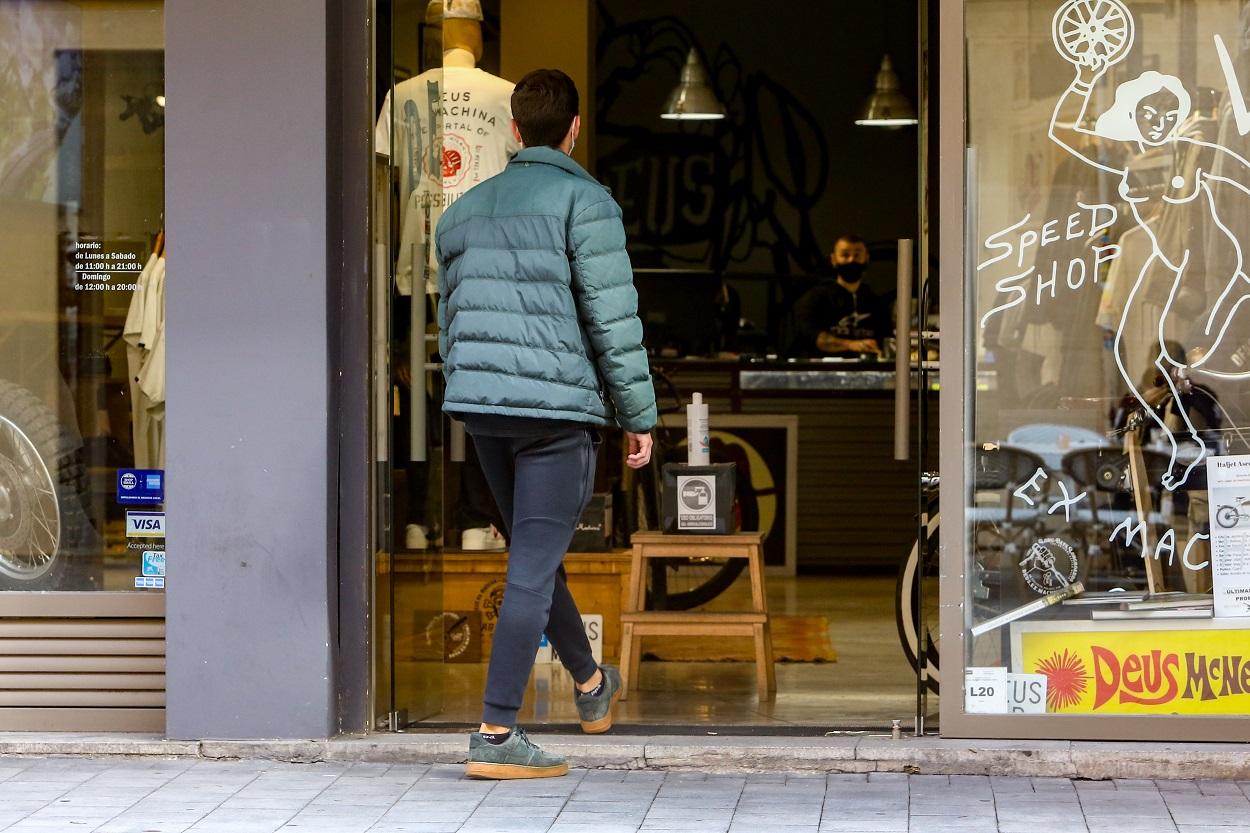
[517, 757]
[595, 712]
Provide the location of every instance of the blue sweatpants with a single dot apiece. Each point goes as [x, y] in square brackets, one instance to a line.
[541, 485]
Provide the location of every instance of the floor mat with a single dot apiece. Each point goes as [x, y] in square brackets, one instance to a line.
[795, 639]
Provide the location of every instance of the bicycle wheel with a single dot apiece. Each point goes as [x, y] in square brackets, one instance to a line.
[41, 479]
[1227, 516]
[921, 565]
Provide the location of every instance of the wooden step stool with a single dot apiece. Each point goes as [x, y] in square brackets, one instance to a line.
[637, 622]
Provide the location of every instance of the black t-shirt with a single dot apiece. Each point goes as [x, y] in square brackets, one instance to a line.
[832, 308]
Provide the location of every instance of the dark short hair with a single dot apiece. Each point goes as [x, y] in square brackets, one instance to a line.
[853, 239]
[544, 104]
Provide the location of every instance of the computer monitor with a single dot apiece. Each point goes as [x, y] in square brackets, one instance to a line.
[679, 309]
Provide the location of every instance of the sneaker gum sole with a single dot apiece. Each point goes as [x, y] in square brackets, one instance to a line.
[506, 772]
[598, 727]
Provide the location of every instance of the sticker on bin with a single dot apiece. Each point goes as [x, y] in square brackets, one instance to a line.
[697, 496]
[145, 524]
[139, 487]
[154, 563]
[150, 582]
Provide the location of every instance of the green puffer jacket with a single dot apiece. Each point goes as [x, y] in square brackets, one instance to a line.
[538, 316]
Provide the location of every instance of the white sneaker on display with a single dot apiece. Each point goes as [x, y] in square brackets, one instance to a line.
[482, 538]
[416, 537]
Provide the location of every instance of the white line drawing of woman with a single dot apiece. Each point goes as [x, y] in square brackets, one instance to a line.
[1093, 35]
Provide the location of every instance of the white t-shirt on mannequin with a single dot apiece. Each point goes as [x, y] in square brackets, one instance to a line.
[475, 111]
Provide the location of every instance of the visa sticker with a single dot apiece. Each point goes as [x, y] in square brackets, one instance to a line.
[145, 524]
[150, 582]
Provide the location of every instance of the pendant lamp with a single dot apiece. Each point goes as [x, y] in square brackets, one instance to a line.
[887, 106]
[692, 99]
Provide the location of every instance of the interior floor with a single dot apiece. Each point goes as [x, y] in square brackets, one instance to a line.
[870, 683]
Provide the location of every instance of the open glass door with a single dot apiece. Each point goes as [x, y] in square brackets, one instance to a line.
[407, 386]
[916, 392]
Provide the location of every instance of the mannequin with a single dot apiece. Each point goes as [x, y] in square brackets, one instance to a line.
[443, 151]
[462, 37]
[453, 129]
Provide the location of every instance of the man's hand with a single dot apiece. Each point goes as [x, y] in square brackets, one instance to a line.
[829, 343]
[639, 450]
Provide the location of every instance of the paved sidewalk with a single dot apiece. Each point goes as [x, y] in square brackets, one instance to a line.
[169, 796]
[1082, 760]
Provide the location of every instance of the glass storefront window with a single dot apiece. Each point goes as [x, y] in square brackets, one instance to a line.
[1107, 529]
[82, 370]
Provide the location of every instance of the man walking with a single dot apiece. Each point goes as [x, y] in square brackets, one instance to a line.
[541, 346]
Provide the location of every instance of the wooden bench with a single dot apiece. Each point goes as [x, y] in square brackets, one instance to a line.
[638, 622]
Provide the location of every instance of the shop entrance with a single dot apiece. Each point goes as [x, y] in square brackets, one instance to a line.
[735, 215]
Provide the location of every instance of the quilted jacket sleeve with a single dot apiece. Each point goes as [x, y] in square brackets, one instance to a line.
[603, 284]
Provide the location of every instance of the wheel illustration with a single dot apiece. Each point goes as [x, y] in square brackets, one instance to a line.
[921, 566]
[1093, 32]
[1227, 516]
[41, 479]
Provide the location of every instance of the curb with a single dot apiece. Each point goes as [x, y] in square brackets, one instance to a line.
[930, 756]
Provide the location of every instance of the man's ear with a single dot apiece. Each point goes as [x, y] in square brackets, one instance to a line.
[576, 128]
[516, 132]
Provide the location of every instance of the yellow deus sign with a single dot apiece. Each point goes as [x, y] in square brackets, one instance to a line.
[1203, 671]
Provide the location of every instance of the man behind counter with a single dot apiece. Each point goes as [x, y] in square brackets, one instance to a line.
[841, 316]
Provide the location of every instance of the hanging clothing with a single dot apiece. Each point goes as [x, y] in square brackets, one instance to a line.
[144, 335]
[1224, 258]
[1053, 345]
[152, 377]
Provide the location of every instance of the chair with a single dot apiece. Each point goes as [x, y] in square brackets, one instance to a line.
[1106, 474]
[1002, 523]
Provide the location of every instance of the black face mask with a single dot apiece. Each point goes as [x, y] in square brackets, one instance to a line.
[850, 272]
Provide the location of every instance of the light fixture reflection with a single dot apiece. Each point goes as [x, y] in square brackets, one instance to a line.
[692, 99]
[887, 106]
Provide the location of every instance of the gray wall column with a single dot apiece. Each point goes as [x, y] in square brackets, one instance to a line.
[252, 553]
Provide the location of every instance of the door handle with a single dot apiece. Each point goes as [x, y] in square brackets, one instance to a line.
[418, 408]
[381, 365]
[902, 353]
